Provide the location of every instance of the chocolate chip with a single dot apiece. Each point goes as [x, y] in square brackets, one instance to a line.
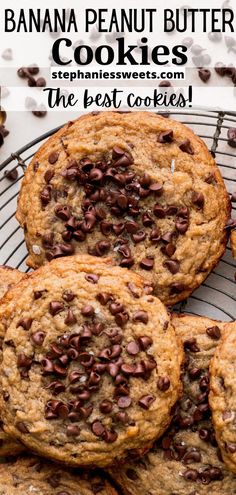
[163, 383]
[53, 157]
[106, 406]
[22, 427]
[110, 436]
[128, 369]
[182, 225]
[97, 428]
[41, 82]
[192, 456]
[145, 342]
[63, 212]
[117, 152]
[155, 235]
[194, 373]
[24, 361]
[45, 195]
[159, 211]
[191, 345]
[230, 447]
[220, 69]
[147, 263]
[156, 188]
[172, 265]
[214, 332]
[186, 147]
[164, 84]
[72, 431]
[11, 174]
[139, 236]
[121, 417]
[121, 318]
[68, 295]
[55, 307]
[198, 199]
[102, 247]
[131, 227]
[166, 137]
[147, 220]
[146, 401]
[190, 475]
[87, 310]
[132, 348]
[70, 318]
[204, 74]
[38, 337]
[124, 402]
[231, 134]
[177, 288]
[141, 316]
[25, 323]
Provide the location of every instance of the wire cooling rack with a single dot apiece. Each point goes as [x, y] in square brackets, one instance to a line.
[216, 296]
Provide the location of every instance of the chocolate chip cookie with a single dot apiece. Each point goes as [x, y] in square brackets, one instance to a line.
[186, 459]
[91, 363]
[135, 186]
[29, 475]
[8, 277]
[223, 396]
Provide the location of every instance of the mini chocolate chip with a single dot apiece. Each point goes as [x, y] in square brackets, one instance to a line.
[198, 199]
[192, 456]
[53, 157]
[159, 211]
[10, 174]
[124, 402]
[182, 225]
[121, 417]
[186, 147]
[146, 401]
[106, 406]
[22, 427]
[92, 278]
[63, 212]
[214, 332]
[194, 373]
[48, 175]
[116, 308]
[97, 428]
[128, 369]
[231, 134]
[139, 236]
[147, 220]
[121, 318]
[132, 348]
[109, 436]
[204, 74]
[25, 323]
[38, 294]
[163, 383]
[70, 317]
[147, 263]
[191, 345]
[87, 310]
[172, 265]
[166, 137]
[141, 316]
[177, 288]
[145, 342]
[102, 247]
[155, 235]
[38, 337]
[131, 227]
[55, 307]
[72, 431]
[68, 295]
[190, 475]
[156, 188]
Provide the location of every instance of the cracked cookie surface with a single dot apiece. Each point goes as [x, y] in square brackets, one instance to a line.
[186, 459]
[135, 186]
[91, 363]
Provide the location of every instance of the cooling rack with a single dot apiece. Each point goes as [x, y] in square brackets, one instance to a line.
[217, 295]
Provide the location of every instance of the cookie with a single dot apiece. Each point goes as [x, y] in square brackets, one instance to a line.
[29, 475]
[8, 277]
[185, 460]
[91, 364]
[136, 186]
[223, 396]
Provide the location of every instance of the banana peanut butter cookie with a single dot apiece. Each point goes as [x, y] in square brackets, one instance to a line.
[223, 396]
[8, 277]
[185, 461]
[91, 363]
[135, 186]
[31, 475]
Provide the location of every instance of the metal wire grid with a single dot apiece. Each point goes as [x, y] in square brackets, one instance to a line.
[216, 296]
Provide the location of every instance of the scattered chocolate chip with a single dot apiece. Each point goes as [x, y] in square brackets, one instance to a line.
[11, 175]
[172, 265]
[25, 323]
[53, 157]
[146, 401]
[41, 82]
[55, 307]
[214, 332]
[147, 263]
[163, 383]
[204, 74]
[231, 134]
[186, 147]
